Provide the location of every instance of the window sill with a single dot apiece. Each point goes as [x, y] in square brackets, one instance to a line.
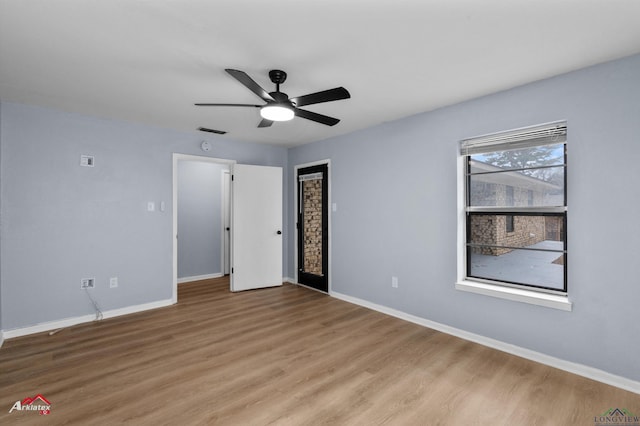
[526, 296]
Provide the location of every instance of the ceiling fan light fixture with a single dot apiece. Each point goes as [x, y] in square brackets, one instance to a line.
[276, 113]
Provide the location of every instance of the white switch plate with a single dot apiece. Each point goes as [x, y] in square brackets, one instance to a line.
[394, 282]
[87, 160]
[113, 282]
[334, 207]
[151, 206]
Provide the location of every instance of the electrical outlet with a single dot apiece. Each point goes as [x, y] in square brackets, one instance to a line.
[87, 283]
[113, 282]
[394, 282]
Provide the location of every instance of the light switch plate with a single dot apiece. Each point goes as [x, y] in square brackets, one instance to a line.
[87, 160]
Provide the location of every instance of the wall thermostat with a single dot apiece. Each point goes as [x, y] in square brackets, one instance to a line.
[205, 146]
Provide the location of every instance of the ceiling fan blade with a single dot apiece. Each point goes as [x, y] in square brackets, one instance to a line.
[231, 105]
[248, 82]
[318, 118]
[324, 96]
[265, 123]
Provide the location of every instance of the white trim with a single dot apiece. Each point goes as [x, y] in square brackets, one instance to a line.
[1, 338]
[571, 367]
[199, 277]
[68, 322]
[461, 231]
[184, 157]
[225, 202]
[326, 161]
[519, 295]
[289, 280]
[513, 210]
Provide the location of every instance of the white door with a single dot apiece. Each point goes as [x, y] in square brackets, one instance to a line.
[256, 227]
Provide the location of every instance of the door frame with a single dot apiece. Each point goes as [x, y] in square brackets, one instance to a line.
[176, 158]
[295, 218]
[225, 254]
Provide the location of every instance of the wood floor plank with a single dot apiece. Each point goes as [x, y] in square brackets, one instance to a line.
[283, 356]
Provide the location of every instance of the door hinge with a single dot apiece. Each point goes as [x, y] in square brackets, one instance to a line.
[232, 270]
[231, 177]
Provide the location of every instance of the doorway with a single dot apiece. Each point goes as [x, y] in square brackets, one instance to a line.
[254, 199]
[313, 226]
[200, 243]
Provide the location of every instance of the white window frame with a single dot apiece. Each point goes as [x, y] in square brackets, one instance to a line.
[486, 287]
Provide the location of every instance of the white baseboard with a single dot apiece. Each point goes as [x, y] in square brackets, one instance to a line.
[1, 338]
[288, 280]
[571, 367]
[68, 322]
[199, 277]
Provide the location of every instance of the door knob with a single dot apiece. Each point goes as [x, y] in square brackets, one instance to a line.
[279, 232]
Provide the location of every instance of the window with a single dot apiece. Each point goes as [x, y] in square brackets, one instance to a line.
[509, 223]
[515, 209]
[509, 195]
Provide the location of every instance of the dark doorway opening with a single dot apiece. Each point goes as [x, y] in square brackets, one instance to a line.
[313, 227]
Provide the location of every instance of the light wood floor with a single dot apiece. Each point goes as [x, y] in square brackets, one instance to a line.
[284, 356]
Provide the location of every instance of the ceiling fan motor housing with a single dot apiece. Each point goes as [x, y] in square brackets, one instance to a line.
[280, 98]
[277, 76]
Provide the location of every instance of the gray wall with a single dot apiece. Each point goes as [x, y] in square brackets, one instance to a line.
[62, 222]
[395, 189]
[199, 218]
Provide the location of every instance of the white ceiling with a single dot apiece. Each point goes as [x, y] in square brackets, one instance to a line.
[148, 61]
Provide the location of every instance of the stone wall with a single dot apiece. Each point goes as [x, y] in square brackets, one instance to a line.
[527, 230]
[492, 230]
[494, 194]
[312, 226]
[484, 231]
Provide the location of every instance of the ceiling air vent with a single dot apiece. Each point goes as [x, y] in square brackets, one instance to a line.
[217, 132]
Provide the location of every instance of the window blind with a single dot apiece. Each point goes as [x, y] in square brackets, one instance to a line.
[310, 176]
[526, 137]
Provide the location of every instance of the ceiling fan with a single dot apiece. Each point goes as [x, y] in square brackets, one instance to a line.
[278, 106]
